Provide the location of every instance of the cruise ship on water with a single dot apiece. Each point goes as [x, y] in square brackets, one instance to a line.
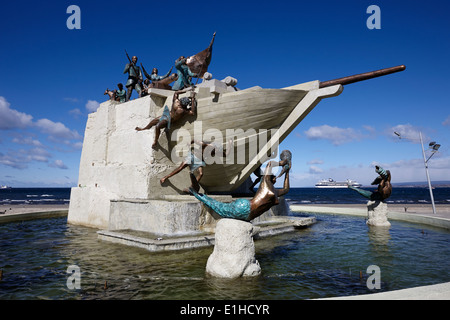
[330, 183]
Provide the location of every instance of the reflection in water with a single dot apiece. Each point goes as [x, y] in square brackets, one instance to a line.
[379, 238]
[328, 259]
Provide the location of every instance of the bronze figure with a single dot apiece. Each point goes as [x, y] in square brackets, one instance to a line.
[243, 209]
[384, 189]
[160, 82]
[116, 95]
[154, 75]
[184, 74]
[180, 109]
[285, 163]
[134, 76]
[195, 161]
[164, 83]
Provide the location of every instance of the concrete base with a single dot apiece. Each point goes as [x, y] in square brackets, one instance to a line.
[234, 251]
[377, 214]
[181, 220]
[157, 242]
[172, 216]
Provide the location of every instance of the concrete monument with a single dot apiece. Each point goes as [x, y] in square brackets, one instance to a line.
[119, 176]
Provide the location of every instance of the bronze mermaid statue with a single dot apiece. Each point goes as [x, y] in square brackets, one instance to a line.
[244, 209]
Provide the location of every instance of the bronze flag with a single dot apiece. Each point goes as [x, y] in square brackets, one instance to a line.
[199, 63]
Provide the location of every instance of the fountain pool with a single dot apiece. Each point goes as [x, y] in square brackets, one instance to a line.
[328, 259]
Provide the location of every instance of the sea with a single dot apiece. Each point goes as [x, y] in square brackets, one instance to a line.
[400, 195]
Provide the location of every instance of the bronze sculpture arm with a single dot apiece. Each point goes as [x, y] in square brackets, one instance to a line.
[286, 185]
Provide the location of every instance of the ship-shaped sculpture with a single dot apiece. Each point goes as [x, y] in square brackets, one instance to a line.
[119, 175]
[257, 116]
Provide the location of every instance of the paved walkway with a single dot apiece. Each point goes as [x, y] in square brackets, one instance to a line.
[22, 212]
[416, 213]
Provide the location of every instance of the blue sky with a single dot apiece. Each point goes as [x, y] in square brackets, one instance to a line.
[52, 77]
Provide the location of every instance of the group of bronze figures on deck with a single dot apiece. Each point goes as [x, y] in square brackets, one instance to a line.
[186, 68]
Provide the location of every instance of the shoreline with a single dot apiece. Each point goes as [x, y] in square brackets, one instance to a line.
[10, 209]
[23, 212]
[442, 210]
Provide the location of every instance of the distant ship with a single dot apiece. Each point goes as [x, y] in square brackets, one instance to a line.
[5, 187]
[330, 183]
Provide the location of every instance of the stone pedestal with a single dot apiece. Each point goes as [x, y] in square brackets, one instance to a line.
[234, 250]
[377, 214]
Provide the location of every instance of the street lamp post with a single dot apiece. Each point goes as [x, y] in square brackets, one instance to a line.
[435, 147]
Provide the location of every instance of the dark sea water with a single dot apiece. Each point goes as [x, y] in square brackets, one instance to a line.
[35, 196]
[400, 195]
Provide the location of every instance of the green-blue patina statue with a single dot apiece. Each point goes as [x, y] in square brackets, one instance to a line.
[384, 189]
[244, 209]
[184, 74]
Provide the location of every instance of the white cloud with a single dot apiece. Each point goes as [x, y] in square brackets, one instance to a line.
[371, 129]
[315, 161]
[406, 131]
[78, 145]
[38, 154]
[335, 135]
[446, 122]
[58, 164]
[315, 170]
[13, 160]
[19, 159]
[57, 129]
[10, 118]
[27, 141]
[75, 112]
[92, 105]
[74, 100]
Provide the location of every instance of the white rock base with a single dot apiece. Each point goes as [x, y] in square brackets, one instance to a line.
[234, 251]
[377, 214]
